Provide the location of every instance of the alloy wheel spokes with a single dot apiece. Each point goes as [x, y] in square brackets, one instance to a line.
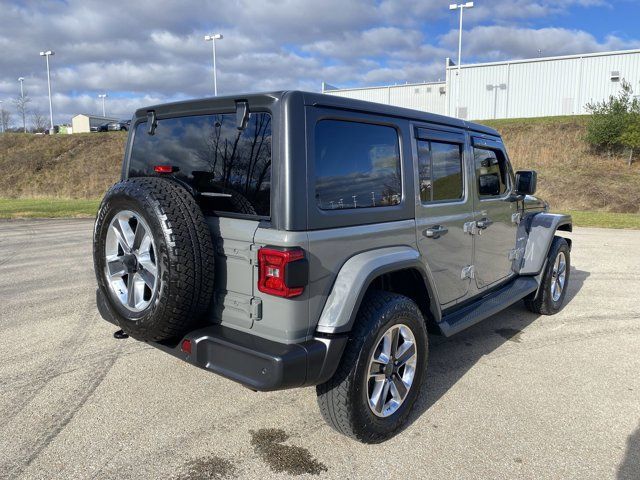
[391, 370]
[130, 256]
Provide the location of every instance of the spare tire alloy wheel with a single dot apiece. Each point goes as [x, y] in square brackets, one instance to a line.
[130, 261]
[392, 367]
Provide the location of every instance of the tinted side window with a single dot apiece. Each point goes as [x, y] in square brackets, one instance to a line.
[491, 172]
[440, 171]
[229, 168]
[357, 165]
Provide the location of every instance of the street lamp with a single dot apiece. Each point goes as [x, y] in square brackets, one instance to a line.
[460, 6]
[495, 88]
[103, 96]
[24, 122]
[212, 38]
[47, 54]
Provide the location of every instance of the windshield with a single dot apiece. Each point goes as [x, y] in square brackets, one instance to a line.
[229, 169]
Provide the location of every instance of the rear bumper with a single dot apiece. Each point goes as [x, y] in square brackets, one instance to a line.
[255, 362]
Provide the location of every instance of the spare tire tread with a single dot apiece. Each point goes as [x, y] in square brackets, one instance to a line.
[186, 252]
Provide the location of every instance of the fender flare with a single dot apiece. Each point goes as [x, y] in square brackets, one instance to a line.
[541, 228]
[353, 280]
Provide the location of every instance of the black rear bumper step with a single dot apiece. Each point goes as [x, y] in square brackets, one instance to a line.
[253, 361]
[488, 305]
[258, 363]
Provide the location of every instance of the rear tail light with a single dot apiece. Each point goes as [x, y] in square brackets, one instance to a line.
[282, 272]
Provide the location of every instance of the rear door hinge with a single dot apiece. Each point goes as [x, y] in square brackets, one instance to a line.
[471, 228]
[256, 309]
[253, 254]
[468, 272]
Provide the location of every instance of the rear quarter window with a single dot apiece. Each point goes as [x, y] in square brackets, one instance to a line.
[228, 169]
[357, 165]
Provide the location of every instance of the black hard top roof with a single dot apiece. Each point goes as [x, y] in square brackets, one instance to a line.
[323, 100]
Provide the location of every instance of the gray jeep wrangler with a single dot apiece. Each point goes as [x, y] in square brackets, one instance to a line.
[292, 239]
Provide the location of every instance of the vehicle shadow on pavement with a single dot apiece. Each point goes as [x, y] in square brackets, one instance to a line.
[630, 466]
[451, 358]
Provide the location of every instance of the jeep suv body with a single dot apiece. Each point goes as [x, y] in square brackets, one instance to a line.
[322, 213]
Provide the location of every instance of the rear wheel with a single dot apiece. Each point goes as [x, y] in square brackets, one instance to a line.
[379, 377]
[555, 280]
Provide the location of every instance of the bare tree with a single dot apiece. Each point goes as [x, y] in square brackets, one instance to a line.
[21, 104]
[5, 119]
[39, 122]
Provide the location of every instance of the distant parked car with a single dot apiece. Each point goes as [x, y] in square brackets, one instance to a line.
[101, 128]
[121, 125]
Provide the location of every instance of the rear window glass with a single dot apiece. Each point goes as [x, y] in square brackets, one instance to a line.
[229, 169]
[357, 165]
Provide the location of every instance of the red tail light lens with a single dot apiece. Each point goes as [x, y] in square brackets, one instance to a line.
[186, 346]
[163, 169]
[282, 273]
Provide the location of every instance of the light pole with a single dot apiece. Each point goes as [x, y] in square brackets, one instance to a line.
[47, 54]
[24, 122]
[460, 6]
[212, 38]
[495, 88]
[103, 96]
[1, 117]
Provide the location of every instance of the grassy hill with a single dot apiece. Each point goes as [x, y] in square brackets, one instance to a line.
[78, 166]
[571, 177]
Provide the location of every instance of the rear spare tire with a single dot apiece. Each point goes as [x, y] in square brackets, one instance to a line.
[153, 258]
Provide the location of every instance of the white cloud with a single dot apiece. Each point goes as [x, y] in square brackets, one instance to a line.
[151, 51]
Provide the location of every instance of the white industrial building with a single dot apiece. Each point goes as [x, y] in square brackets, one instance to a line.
[535, 87]
[85, 123]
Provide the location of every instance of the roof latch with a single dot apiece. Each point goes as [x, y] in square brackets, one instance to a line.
[242, 114]
[152, 122]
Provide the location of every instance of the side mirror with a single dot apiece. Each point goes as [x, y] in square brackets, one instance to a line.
[489, 184]
[526, 182]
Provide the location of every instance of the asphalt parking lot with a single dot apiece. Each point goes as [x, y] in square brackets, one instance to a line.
[518, 396]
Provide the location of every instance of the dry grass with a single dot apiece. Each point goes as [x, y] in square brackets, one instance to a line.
[78, 166]
[570, 177]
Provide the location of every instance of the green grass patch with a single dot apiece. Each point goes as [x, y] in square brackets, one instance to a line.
[545, 121]
[47, 208]
[606, 219]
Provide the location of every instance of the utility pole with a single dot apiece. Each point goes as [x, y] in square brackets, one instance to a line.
[47, 54]
[212, 38]
[103, 96]
[22, 105]
[460, 6]
[1, 117]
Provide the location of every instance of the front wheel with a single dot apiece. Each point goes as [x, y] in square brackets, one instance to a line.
[555, 280]
[379, 377]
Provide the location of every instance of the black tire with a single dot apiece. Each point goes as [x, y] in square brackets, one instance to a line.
[184, 257]
[343, 399]
[543, 303]
[239, 202]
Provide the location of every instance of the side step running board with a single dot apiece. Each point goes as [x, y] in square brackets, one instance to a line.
[488, 305]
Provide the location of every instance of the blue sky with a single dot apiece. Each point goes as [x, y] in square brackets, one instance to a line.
[149, 51]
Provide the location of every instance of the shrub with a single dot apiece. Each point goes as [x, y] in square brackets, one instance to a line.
[611, 119]
[630, 137]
